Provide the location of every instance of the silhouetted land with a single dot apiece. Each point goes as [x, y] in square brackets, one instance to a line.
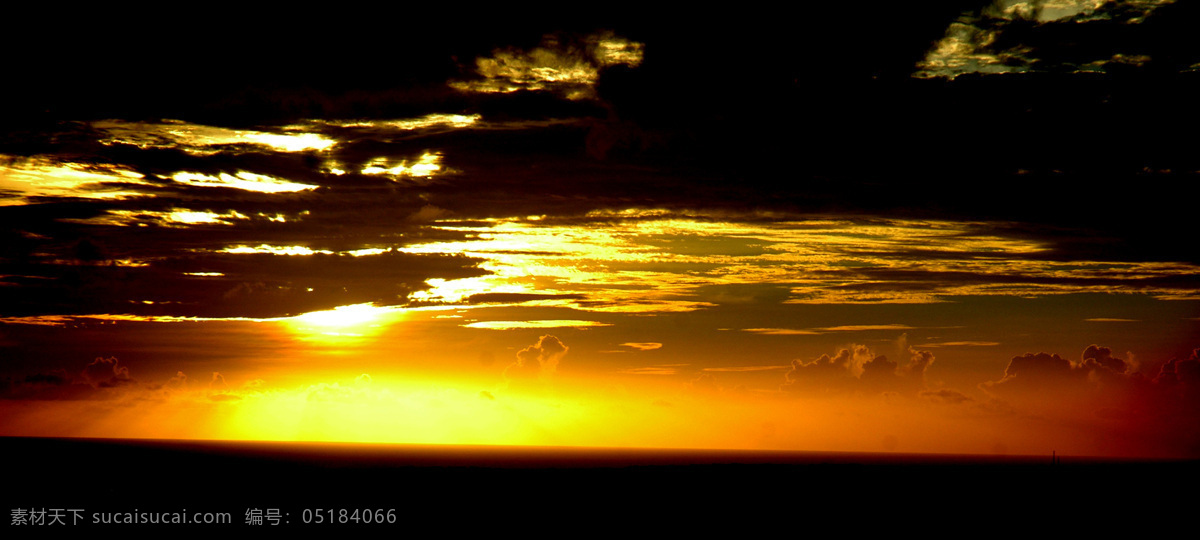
[569, 490]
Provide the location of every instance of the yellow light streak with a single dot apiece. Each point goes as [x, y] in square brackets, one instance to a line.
[242, 180]
[175, 217]
[40, 177]
[425, 166]
[275, 250]
[646, 261]
[201, 139]
[548, 323]
[405, 124]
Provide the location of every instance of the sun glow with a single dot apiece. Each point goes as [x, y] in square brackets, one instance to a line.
[367, 411]
[343, 323]
[364, 409]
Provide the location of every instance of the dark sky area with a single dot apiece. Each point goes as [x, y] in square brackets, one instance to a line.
[816, 111]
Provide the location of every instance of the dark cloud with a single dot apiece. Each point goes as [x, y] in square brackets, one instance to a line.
[1147, 280]
[236, 285]
[881, 374]
[49, 385]
[1144, 416]
[945, 395]
[1042, 374]
[1097, 357]
[106, 373]
[1183, 373]
[878, 373]
[102, 378]
[1172, 403]
[1039, 372]
[58, 377]
[511, 298]
[666, 144]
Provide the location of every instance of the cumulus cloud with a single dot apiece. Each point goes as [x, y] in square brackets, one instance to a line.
[178, 382]
[106, 373]
[859, 369]
[536, 363]
[824, 372]
[1184, 372]
[879, 372]
[1034, 374]
[1096, 357]
[1145, 416]
[918, 362]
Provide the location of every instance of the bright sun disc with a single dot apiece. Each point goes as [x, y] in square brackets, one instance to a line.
[353, 321]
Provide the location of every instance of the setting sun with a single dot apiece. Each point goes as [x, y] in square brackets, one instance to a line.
[449, 262]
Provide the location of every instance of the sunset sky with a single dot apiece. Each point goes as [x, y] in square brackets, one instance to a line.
[955, 227]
